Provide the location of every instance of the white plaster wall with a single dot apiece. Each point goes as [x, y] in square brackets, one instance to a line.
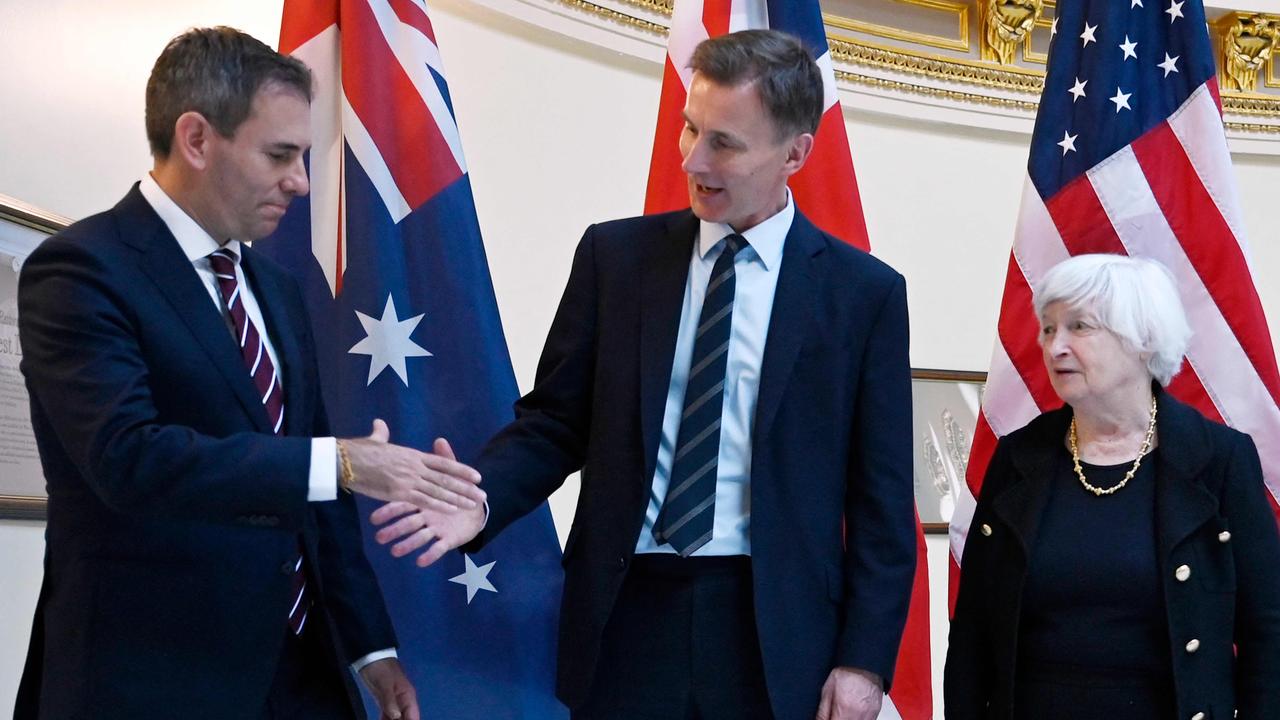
[557, 134]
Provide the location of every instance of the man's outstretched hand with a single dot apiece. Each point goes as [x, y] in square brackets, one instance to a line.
[439, 527]
[435, 481]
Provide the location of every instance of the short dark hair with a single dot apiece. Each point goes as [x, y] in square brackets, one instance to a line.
[783, 71]
[216, 72]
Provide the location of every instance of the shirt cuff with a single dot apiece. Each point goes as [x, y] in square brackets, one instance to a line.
[371, 658]
[322, 483]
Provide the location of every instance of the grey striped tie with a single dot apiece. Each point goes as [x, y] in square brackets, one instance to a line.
[686, 518]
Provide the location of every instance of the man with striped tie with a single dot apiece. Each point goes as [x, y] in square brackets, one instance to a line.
[202, 560]
[734, 385]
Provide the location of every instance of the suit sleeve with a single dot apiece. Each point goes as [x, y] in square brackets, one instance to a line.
[1256, 545]
[87, 372]
[879, 508]
[529, 458]
[969, 673]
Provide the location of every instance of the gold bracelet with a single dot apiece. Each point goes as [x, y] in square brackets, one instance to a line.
[347, 476]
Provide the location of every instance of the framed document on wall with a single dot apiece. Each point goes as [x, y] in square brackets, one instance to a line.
[22, 490]
[944, 412]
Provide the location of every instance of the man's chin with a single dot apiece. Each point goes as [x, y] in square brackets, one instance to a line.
[704, 213]
[262, 230]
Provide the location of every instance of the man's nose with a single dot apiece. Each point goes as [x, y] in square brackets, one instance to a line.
[694, 158]
[296, 182]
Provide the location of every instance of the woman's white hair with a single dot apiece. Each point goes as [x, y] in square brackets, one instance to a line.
[1134, 298]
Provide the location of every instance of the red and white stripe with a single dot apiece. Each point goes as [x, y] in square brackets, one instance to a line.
[826, 190]
[346, 43]
[1170, 196]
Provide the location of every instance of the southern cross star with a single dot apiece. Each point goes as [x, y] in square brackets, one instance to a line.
[475, 578]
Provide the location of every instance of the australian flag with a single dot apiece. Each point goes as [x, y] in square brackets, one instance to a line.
[389, 253]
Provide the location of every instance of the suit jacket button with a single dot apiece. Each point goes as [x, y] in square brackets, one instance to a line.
[1224, 536]
[287, 567]
[622, 563]
[986, 529]
[1193, 645]
[1182, 573]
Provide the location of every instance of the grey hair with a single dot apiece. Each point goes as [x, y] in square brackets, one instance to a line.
[1134, 298]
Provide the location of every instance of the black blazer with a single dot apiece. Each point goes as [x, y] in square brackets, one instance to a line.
[831, 444]
[174, 512]
[1212, 515]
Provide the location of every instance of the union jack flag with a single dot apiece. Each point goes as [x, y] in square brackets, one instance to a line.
[1129, 156]
[826, 191]
[388, 250]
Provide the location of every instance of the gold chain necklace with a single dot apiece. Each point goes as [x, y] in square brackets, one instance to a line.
[1142, 451]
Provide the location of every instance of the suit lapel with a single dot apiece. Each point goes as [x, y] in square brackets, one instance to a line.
[663, 278]
[1021, 506]
[800, 280]
[1182, 503]
[163, 262]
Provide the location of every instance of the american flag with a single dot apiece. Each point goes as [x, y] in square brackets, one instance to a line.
[826, 191]
[388, 250]
[1129, 156]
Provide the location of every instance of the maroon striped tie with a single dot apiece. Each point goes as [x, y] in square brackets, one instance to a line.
[263, 371]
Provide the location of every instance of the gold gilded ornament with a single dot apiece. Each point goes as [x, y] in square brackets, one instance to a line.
[1005, 24]
[1246, 47]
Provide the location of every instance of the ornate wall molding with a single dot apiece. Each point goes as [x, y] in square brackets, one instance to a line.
[981, 57]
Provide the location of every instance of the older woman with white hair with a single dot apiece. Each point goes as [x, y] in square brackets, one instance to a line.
[1123, 560]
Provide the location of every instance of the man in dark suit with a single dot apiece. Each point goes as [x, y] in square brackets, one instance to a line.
[734, 385]
[200, 559]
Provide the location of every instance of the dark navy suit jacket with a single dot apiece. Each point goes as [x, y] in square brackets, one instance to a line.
[174, 513]
[831, 448]
[1212, 515]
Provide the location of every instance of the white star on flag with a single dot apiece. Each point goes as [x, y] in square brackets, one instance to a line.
[1129, 47]
[1175, 10]
[475, 578]
[1053, 29]
[387, 342]
[1087, 35]
[1121, 100]
[1170, 64]
[1135, 3]
[1078, 89]
[1068, 143]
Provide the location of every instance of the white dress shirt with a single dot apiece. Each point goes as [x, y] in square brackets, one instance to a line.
[756, 277]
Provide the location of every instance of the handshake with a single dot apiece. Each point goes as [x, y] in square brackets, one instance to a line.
[432, 500]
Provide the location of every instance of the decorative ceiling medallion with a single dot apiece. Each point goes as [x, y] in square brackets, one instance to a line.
[991, 52]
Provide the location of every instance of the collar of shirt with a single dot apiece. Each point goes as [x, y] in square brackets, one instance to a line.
[766, 239]
[196, 244]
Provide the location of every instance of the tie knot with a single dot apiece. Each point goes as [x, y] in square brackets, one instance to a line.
[223, 261]
[733, 244]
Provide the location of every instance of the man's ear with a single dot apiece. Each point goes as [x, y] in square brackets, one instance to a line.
[798, 149]
[192, 137]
